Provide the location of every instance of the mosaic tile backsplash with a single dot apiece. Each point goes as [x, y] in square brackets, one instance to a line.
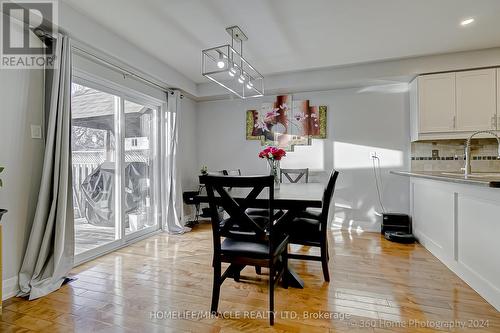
[448, 155]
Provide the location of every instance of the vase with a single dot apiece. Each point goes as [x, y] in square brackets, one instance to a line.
[275, 172]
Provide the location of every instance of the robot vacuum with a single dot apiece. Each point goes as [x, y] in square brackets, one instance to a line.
[399, 237]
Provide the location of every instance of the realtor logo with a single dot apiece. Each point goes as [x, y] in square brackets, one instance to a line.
[21, 48]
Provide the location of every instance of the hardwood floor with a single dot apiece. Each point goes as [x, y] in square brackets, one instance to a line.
[376, 286]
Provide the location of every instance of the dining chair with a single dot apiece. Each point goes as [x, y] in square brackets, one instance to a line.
[297, 175]
[248, 241]
[294, 175]
[310, 228]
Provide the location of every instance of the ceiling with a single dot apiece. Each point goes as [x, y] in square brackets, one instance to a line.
[296, 35]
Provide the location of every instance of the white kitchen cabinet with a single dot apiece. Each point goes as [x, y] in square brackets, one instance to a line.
[454, 105]
[459, 224]
[476, 95]
[436, 103]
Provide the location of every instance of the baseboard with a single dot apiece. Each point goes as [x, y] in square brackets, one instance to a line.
[10, 288]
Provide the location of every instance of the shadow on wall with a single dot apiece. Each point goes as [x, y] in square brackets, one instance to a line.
[356, 202]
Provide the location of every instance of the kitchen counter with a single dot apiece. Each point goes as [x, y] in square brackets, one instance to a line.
[485, 179]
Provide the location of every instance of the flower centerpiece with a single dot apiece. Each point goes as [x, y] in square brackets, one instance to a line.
[273, 155]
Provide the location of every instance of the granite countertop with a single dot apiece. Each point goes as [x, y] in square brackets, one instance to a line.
[480, 179]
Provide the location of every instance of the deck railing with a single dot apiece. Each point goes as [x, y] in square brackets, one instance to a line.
[83, 164]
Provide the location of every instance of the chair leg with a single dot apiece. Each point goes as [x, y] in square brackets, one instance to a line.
[258, 270]
[237, 272]
[216, 287]
[324, 262]
[327, 251]
[285, 267]
[271, 293]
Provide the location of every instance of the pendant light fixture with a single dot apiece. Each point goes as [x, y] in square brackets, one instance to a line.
[228, 68]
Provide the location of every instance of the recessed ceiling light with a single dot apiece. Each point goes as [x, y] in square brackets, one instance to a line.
[467, 22]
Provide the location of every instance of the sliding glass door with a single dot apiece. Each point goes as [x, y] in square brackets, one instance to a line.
[94, 158]
[115, 166]
[140, 121]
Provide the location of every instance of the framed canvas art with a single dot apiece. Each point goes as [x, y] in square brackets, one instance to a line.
[285, 123]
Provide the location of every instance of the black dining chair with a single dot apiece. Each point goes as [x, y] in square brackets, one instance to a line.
[310, 228]
[294, 175]
[248, 241]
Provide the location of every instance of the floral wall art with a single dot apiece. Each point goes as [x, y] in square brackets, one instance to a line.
[286, 123]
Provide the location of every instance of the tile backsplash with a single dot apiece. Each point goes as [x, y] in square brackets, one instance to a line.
[448, 155]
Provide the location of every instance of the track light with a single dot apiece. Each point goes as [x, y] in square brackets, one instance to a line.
[227, 67]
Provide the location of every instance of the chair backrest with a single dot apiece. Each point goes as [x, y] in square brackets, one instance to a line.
[295, 175]
[231, 172]
[219, 190]
[327, 198]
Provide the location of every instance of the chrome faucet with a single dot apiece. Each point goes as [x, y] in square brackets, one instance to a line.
[467, 167]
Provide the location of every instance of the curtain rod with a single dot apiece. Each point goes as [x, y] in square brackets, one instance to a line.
[44, 35]
[123, 70]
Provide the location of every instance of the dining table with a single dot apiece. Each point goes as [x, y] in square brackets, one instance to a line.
[290, 197]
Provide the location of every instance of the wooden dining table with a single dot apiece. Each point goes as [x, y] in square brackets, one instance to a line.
[293, 198]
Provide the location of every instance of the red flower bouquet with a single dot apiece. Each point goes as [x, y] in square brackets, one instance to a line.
[273, 155]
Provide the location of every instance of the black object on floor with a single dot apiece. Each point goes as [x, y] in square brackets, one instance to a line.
[396, 222]
[399, 237]
[69, 280]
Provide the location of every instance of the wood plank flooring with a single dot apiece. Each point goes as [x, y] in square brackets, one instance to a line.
[163, 284]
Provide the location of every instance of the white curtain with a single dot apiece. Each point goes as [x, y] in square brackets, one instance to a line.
[173, 217]
[50, 250]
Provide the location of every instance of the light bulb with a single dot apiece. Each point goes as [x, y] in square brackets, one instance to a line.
[249, 85]
[467, 22]
[232, 71]
[242, 78]
[221, 63]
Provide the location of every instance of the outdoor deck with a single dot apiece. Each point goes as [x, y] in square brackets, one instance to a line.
[88, 236]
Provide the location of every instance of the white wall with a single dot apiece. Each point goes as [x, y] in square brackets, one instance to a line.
[21, 93]
[360, 121]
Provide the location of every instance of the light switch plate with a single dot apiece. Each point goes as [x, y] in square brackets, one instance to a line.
[36, 131]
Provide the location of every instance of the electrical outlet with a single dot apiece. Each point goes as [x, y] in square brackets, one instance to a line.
[36, 131]
[373, 154]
